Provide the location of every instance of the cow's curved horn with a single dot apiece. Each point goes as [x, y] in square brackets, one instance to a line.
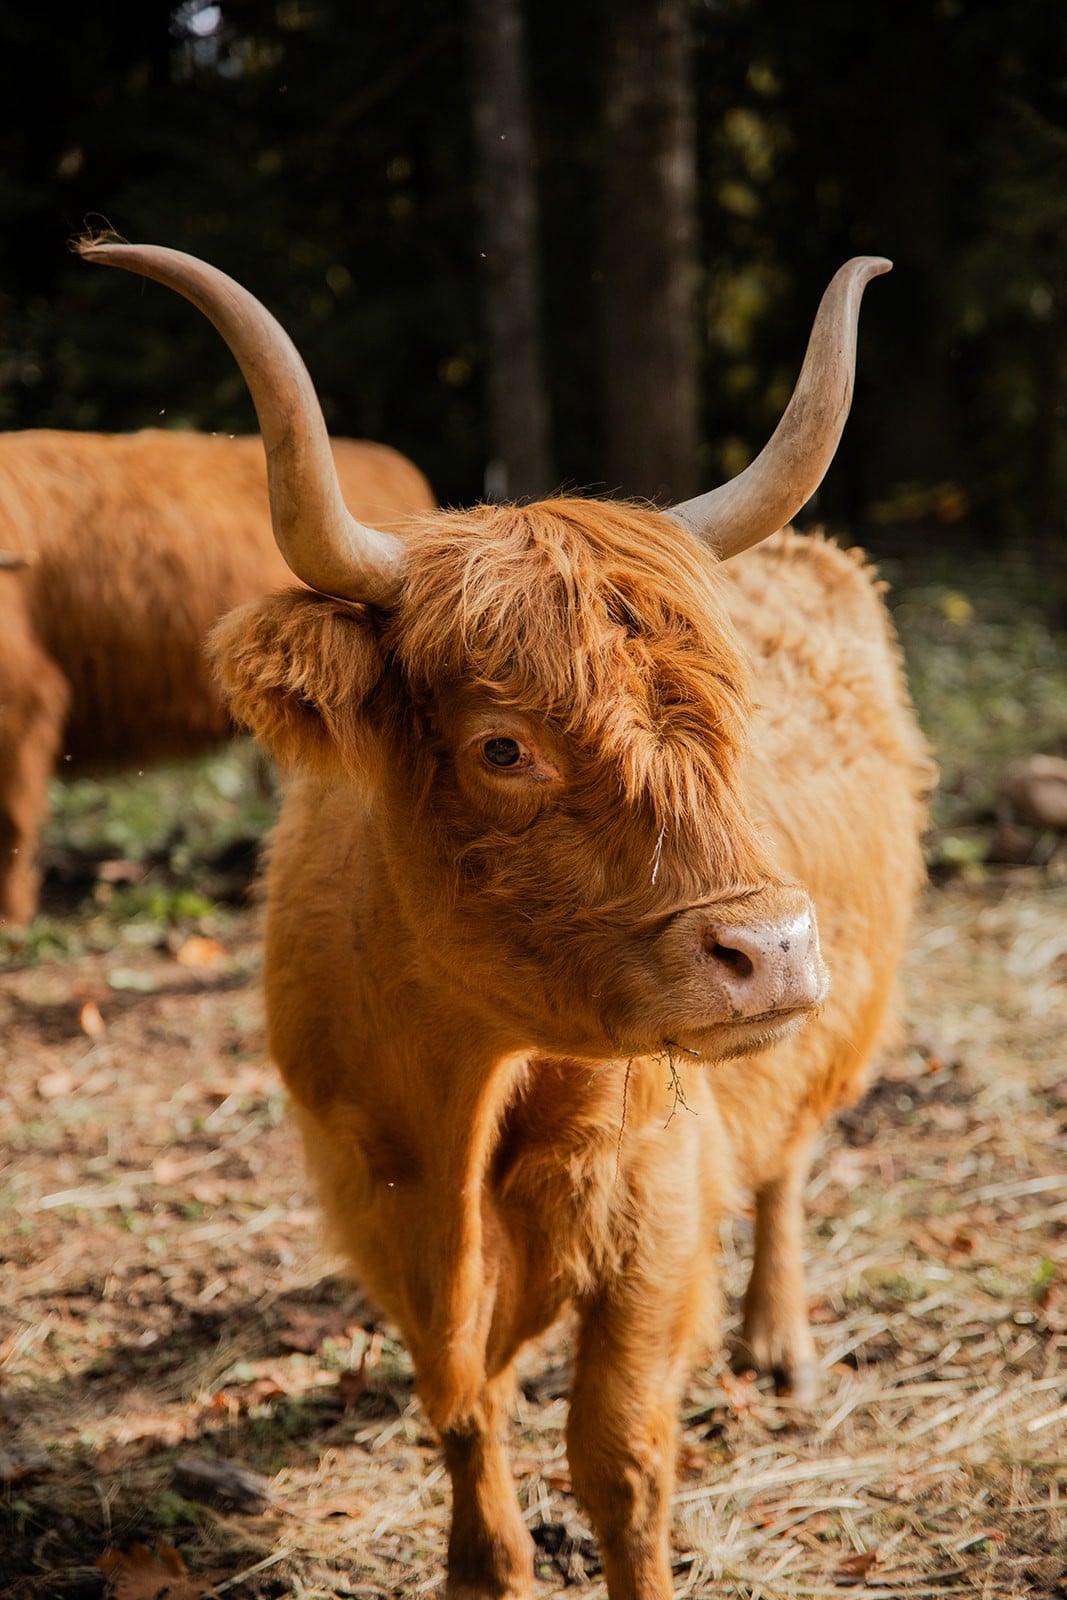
[316, 533]
[793, 462]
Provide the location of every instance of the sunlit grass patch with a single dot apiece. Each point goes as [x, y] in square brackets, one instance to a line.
[988, 674]
[175, 816]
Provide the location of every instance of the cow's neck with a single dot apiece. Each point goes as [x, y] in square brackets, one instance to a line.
[469, 1138]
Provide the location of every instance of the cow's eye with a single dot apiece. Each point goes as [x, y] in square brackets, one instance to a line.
[502, 752]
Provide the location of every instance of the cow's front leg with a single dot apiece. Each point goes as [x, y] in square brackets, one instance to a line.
[490, 1552]
[775, 1334]
[33, 710]
[633, 1359]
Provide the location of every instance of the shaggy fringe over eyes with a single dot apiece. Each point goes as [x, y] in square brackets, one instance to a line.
[599, 616]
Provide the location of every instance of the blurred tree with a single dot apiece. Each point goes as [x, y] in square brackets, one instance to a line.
[1010, 295]
[647, 250]
[298, 148]
[823, 139]
[932, 132]
[323, 153]
[516, 395]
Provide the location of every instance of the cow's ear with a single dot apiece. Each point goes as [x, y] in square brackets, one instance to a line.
[297, 669]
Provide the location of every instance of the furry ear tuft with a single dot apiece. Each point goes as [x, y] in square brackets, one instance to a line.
[296, 669]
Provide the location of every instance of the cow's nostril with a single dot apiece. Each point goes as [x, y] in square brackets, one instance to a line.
[766, 967]
[735, 961]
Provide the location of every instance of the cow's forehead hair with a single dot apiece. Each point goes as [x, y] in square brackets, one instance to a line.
[566, 601]
[603, 617]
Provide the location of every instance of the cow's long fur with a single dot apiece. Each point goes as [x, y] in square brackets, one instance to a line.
[485, 995]
[134, 544]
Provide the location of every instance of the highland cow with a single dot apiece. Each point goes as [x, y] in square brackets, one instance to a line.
[593, 870]
[117, 553]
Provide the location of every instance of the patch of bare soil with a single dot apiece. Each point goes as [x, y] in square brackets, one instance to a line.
[192, 1401]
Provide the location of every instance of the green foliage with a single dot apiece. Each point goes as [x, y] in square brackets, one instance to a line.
[989, 679]
[170, 817]
[148, 857]
[1044, 1276]
[172, 1510]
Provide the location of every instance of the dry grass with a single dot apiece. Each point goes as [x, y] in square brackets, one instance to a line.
[162, 1294]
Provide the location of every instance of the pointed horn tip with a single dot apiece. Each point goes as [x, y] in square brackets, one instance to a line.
[864, 268]
[833, 340]
[174, 268]
[110, 251]
[98, 244]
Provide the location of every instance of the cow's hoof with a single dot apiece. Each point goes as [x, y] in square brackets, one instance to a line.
[801, 1383]
[796, 1376]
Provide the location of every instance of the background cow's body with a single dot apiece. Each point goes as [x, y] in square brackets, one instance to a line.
[837, 771]
[135, 545]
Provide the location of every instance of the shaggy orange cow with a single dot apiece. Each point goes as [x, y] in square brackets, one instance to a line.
[582, 823]
[118, 553]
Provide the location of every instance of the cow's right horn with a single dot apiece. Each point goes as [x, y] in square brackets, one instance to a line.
[318, 536]
[793, 462]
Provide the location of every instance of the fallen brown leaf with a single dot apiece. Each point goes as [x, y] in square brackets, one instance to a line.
[1053, 1302]
[16, 1466]
[54, 1085]
[91, 1022]
[198, 951]
[692, 1461]
[157, 1426]
[740, 1391]
[248, 1080]
[856, 1565]
[120, 871]
[350, 1385]
[140, 1574]
[306, 1330]
[341, 1505]
[240, 1397]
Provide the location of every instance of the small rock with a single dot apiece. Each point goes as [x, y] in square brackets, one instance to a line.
[1033, 791]
[222, 1483]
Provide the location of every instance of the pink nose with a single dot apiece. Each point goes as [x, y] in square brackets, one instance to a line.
[770, 967]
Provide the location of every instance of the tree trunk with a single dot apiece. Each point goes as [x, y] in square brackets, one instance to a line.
[906, 437]
[507, 203]
[647, 251]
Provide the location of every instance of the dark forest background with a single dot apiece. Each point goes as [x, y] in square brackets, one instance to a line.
[569, 244]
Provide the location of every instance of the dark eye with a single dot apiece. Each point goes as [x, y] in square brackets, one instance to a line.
[502, 752]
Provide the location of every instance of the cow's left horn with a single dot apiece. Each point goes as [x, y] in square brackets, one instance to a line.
[793, 462]
[316, 533]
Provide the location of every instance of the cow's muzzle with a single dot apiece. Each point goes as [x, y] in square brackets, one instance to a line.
[756, 969]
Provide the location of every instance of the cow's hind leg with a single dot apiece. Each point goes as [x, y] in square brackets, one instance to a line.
[775, 1334]
[490, 1552]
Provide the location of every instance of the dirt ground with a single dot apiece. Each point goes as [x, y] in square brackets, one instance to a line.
[165, 1308]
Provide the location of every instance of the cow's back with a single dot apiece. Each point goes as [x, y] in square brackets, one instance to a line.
[139, 543]
[838, 772]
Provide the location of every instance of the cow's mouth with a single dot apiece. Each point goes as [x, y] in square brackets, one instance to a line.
[738, 1036]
